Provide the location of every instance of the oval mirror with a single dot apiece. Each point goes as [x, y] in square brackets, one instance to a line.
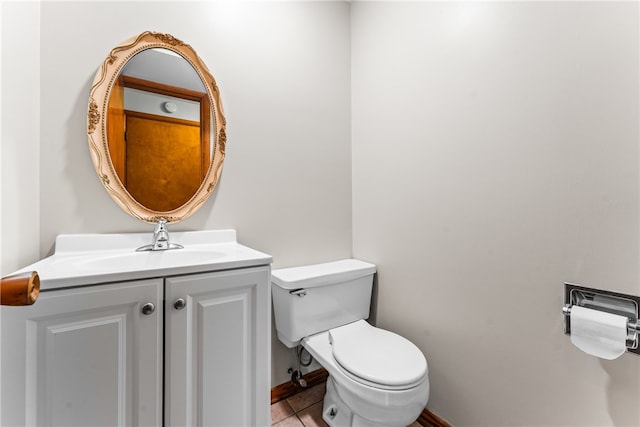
[156, 128]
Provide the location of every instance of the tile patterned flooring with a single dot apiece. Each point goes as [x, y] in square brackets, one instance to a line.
[303, 409]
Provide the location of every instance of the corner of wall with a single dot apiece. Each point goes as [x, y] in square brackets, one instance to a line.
[20, 134]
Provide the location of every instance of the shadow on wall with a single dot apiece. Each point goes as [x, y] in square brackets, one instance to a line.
[622, 385]
[373, 310]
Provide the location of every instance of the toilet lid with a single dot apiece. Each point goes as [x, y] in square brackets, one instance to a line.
[377, 356]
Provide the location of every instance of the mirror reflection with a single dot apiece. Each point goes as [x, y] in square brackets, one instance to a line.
[158, 129]
[155, 127]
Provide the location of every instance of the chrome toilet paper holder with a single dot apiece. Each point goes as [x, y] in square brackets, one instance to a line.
[607, 301]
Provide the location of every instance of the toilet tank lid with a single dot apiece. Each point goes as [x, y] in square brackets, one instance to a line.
[329, 273]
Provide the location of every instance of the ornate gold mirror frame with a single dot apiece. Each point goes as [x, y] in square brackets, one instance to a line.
[98, 132]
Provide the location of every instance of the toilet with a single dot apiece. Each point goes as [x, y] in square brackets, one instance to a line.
[376, 377]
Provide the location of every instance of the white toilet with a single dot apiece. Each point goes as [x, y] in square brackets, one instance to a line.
[376, 377]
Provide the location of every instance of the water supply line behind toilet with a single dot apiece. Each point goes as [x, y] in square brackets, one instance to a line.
[296, 376]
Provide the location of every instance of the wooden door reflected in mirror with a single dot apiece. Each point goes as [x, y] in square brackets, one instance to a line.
[161, 160]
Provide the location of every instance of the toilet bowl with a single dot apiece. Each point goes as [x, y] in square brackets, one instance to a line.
[376, 377]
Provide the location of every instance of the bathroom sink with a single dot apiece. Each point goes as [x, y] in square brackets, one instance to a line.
[86, 259]
[132, 260]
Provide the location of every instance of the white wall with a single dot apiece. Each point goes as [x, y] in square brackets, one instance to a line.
[495, 156]
[19, 134]
[283, 71]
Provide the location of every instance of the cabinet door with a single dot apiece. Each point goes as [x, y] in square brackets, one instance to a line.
[217, 349]
[84, 357]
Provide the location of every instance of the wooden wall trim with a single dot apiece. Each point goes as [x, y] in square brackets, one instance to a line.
[288, 389]
[429, 419]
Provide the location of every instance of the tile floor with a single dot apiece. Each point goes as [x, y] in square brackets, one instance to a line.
[303, 409]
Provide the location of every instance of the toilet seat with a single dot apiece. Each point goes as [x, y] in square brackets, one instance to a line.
[377, 357]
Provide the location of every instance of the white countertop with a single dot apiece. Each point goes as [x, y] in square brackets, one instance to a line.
[87, 259]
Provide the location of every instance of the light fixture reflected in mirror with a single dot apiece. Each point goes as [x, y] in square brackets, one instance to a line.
[170, 107]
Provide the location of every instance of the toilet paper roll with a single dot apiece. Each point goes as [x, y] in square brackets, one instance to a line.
[598, 333]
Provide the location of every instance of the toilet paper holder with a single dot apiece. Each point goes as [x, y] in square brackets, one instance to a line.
[607, 301]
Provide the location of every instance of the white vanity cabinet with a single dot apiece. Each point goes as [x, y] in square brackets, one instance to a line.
[217, 330]
[84, 357]
[146, 339]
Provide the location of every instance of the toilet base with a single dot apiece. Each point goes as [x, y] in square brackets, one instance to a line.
[334, 411]
[337, 414]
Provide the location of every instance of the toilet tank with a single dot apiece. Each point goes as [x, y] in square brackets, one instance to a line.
[315, 298]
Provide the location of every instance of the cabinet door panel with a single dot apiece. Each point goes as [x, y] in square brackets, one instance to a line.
[84, 357]
[80, 353]
[226, 355]
[217, 349]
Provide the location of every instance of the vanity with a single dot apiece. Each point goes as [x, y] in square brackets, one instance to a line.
[125, 338]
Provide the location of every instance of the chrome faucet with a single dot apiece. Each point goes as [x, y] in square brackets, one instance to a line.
[160, 236]
[160, 240]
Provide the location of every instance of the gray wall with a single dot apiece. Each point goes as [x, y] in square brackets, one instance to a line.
[495, 156]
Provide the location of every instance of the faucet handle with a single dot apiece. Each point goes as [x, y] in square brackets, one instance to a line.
[160, 240]
[161, 225]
